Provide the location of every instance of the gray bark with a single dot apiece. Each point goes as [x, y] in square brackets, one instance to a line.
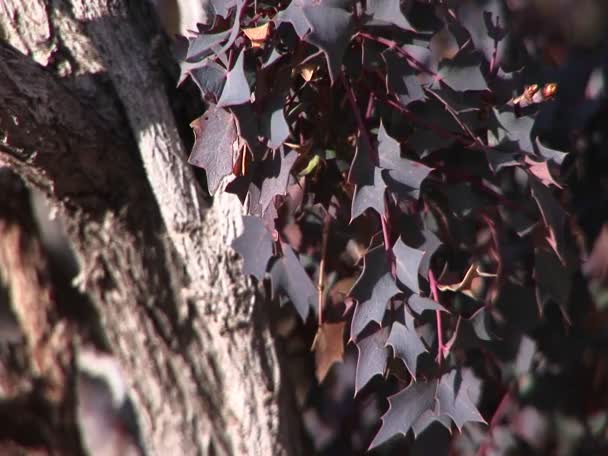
[86, 119]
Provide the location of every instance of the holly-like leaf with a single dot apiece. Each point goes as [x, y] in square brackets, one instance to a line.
[255, 246]
[453, 397]
[215, 134]
[274, 124]
[541, 170]
[553, 216]
[552, 155]
[288, 275]
[403, 174]
[328, 347]
[406, 343]
[401, 79]
[236, 90]
[372, 290]
[276, 175]
[408, 263]
[463, 72]
[553, 281]
[202, 45]
[512, 129]
[372, 359]
[486, 23]
[404, 409]
[210, 79]
[369, 195]
[429, 246]
[326, 24]
[388, 12]
[418, 304]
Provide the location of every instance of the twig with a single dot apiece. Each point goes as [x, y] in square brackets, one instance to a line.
[498, 413]
[434, 294]
[321, 282]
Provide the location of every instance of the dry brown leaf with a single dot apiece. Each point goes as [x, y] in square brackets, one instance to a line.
[470, 284]
[328, 347]
[257, 35]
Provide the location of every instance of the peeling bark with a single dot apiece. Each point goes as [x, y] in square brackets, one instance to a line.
[190, 332]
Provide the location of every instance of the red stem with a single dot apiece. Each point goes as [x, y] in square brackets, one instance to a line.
[434, 294]
[498, 413]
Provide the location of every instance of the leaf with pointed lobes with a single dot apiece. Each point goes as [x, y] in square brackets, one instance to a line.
[326, 24]
[273, 123]
[401, 79]
[512, 130]
[373, 289]
[553, 215]
[553, 281]
[454, 397]
[210, 79]
[236, 89]
[288, 275]
[369, 195]
[372, 359]
[389, 12]
[408, 262]
[275, 172]
[404, 410]
[406, 343]
[215, 134]
[463, 72]
[328, 347]
[405, 176]
[254, 245]
[412, 408]
[541, 170]
[418, 304]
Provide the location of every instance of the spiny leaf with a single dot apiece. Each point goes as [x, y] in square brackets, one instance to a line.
[255, 246]
[210, 79]
[418, 304]
[372, 290]
[276, 175]
[389, 12]
[553, 216]
[401, 79]
[463, 72]
[201, 46]
[328, 347]
[408, 262]
[236, 90]
[409, 174]
[405, 408]
[288, 275]
[372, 358]
[325, 24]
[553, 281]
[215, 135]
[453, 397]
[369, 195]
[406, 343]
[274, 124]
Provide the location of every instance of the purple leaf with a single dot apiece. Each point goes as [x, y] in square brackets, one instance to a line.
[453, 397]
[210, 79]
[201, 46]
[406, 343]
[275, 175]
[369, 195]
[429, 418]
[553, 214]
[408, 262]
[255, 246]
[372, 290]
[553, 281]
[215, 134]
[405, 408]
[401, 79]
[222, 7]
[274, 125]
[236, 90]
[288, 275]
[389, 12]
[513, 129]
[325, 24]
[418, 304]
[409, 174]
[372, 358]
[463, 72]
[429, 246]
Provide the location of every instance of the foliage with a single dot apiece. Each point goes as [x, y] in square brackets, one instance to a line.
[398, 145]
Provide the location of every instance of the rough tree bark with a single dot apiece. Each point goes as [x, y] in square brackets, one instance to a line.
[87, 120]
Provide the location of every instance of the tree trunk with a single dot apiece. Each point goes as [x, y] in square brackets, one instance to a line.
[86, 119]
